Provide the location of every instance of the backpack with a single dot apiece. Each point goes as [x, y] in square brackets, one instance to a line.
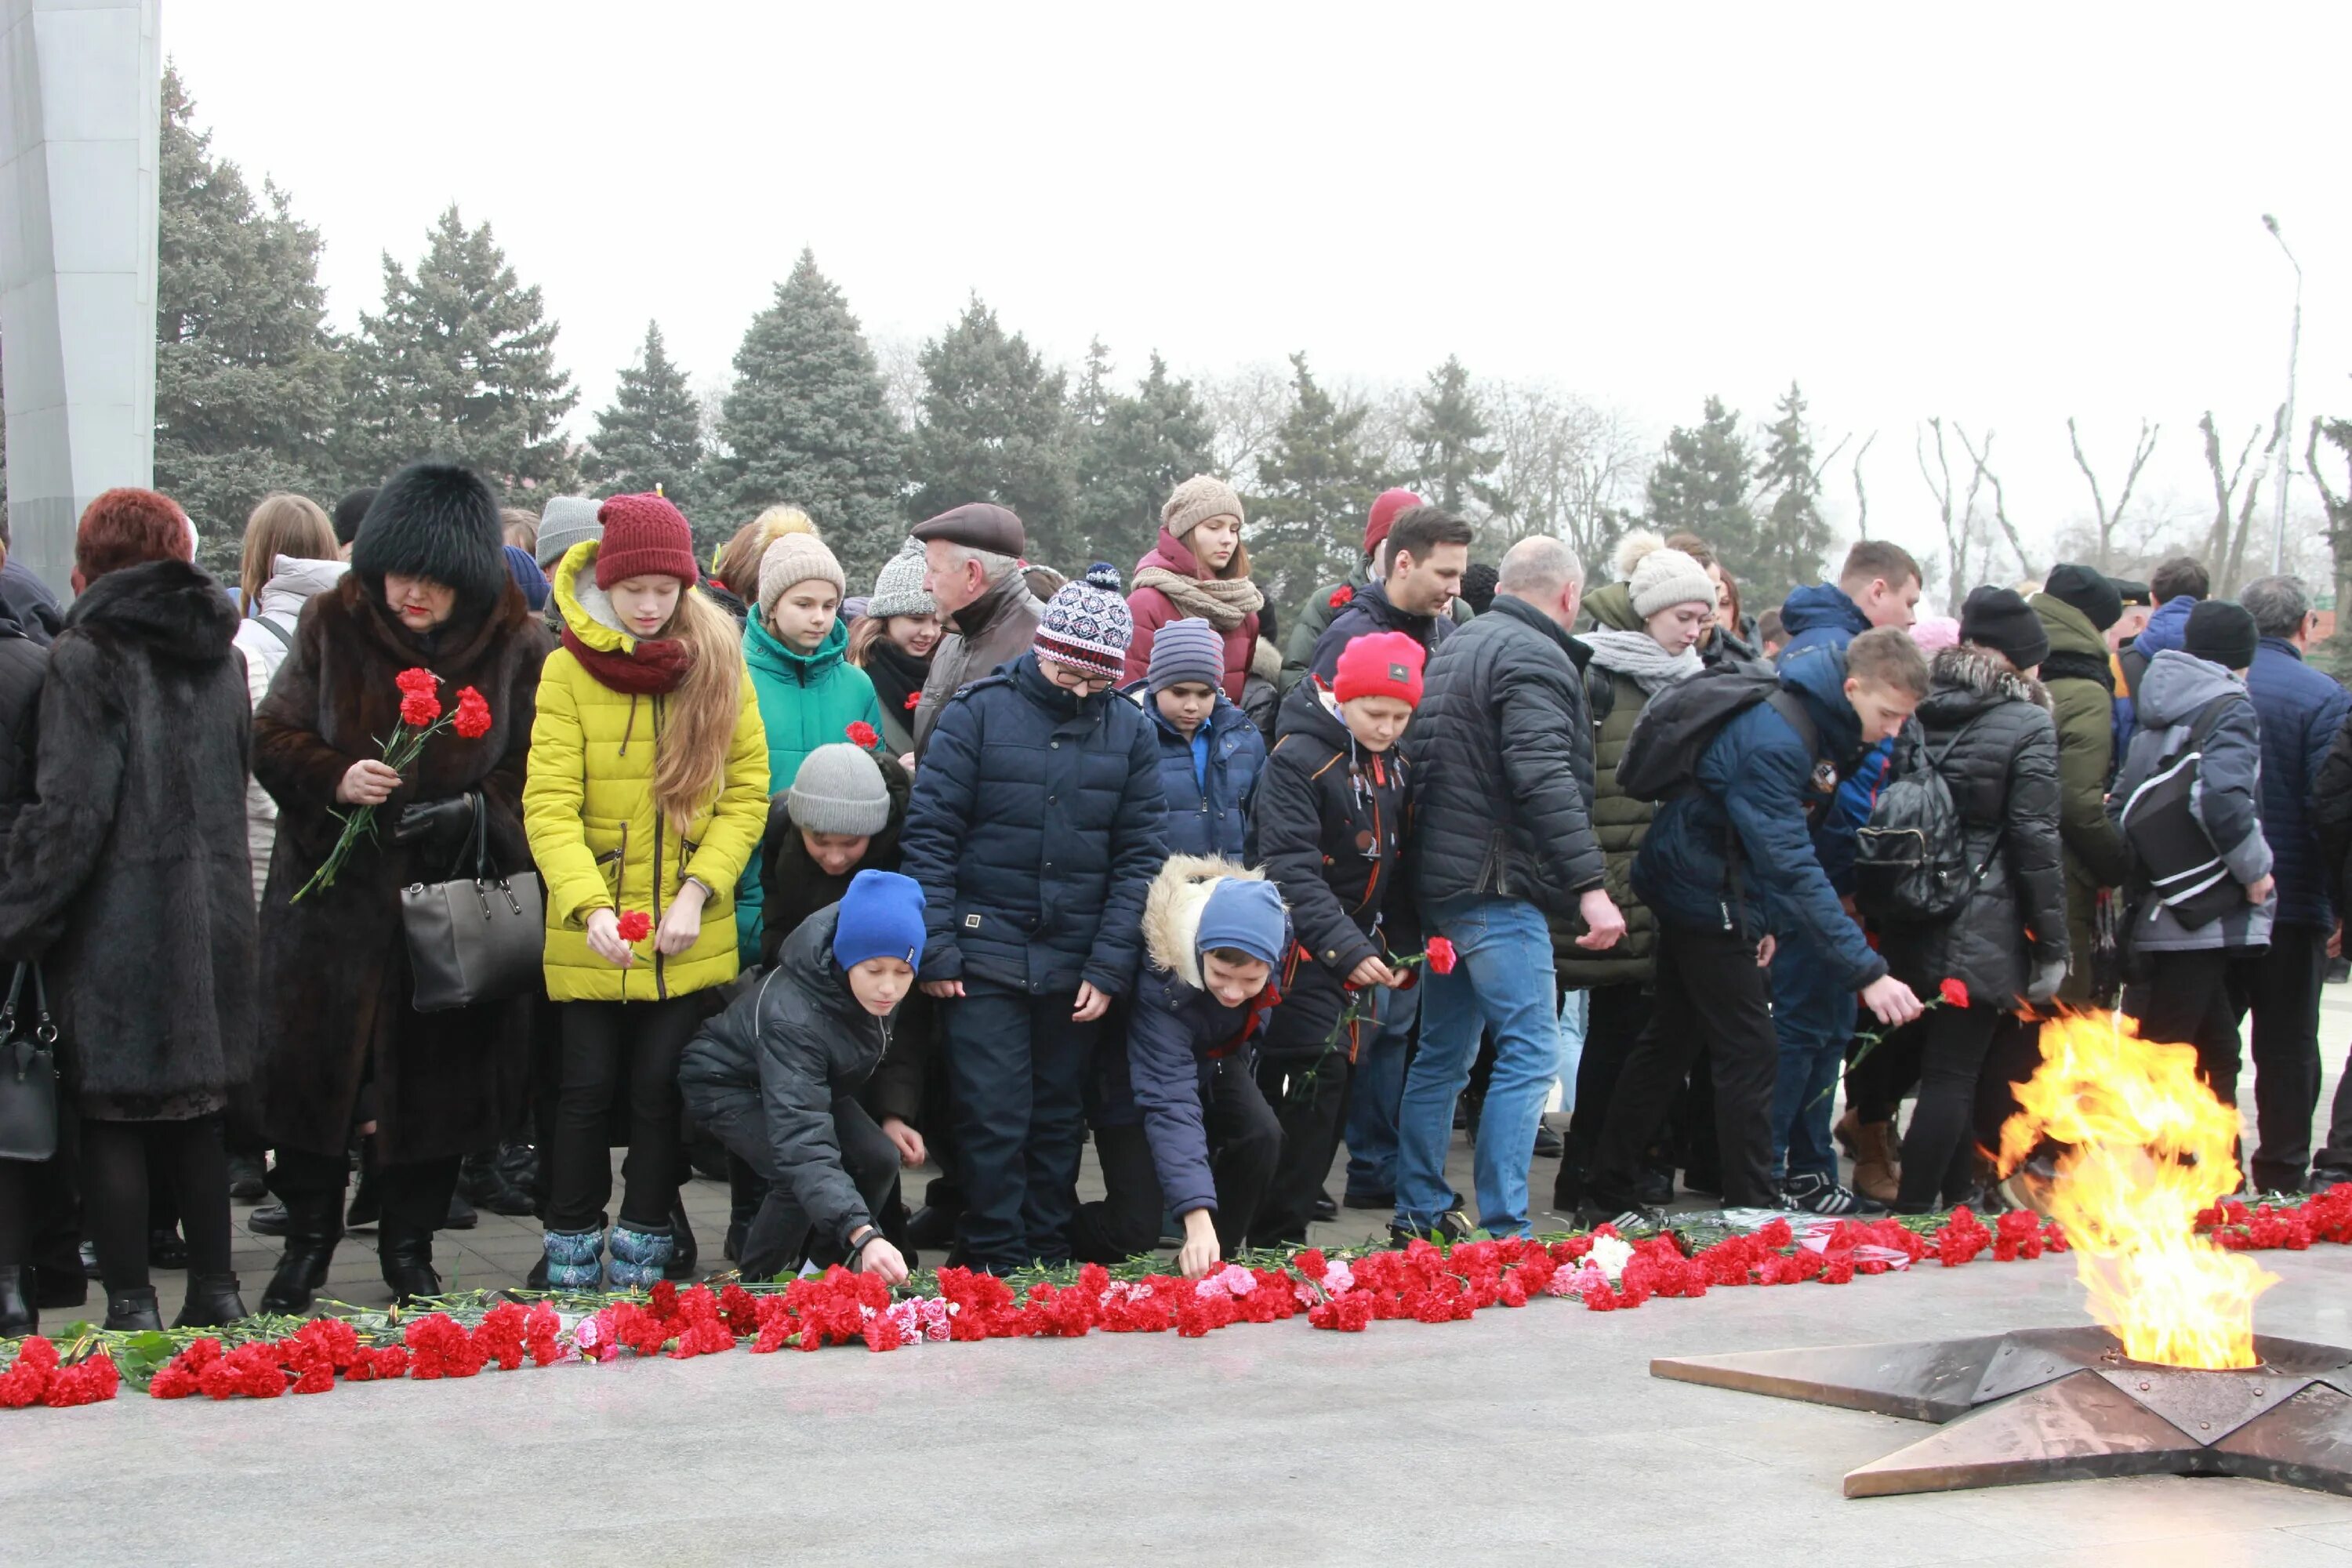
[1678, 724]
[2171, 851]
[1911, 858]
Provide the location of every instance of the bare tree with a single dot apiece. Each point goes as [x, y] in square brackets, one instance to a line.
[2225, 542]
[1964, 527]
[900, 360]
[1983, 461]
[1245, 408]
[1860, 496]
[1567, 464]
[2142, 450]
[2338, 434]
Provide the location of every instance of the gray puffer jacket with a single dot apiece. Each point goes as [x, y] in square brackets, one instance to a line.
[2228, 801]
[1991, 730]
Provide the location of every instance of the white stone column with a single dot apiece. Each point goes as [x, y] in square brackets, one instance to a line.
[81, 103]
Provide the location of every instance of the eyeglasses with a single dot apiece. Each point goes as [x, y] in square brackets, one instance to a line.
[1071, 678]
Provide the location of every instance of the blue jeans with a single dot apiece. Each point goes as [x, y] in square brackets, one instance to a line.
[1373, 1089]
[1814, 1015]
[1504, 982]
[1575, 1016]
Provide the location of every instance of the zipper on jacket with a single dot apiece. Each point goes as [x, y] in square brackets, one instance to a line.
[661, 978]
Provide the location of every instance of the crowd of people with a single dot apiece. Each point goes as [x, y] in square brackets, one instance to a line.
[960, 872]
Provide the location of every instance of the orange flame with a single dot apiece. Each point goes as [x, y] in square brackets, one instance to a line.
[2148, 1148]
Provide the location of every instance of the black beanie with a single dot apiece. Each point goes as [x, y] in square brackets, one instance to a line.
[350, 512]
[1998, 619]
[2223, 632]
[435, 521]
[2100, 601]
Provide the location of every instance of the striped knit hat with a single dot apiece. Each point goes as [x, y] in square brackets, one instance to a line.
[1086, 623]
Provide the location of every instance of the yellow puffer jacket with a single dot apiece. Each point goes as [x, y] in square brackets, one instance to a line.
[588, 806]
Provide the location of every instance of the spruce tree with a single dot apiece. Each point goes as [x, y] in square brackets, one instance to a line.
[1701, 484]
[1316, 485]
[1449, 435]
[460, 365]
[652, 434]
[994, 427]
[245, 370]
[1792, 535]
[1141, 447]
[808, 422]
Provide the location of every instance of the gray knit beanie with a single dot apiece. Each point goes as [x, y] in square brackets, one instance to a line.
[898, 586]
[563, 522]
[840, 789]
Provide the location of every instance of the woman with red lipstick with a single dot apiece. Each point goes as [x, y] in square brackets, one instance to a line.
[648, 793]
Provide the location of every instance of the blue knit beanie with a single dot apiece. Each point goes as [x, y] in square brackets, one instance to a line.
[1185, 650]
[526, 576]
[1247, 916]
[881, 917]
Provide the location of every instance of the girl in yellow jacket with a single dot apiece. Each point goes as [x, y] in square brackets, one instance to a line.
[647, 793]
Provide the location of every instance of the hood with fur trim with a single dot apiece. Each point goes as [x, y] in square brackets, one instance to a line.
[1966, 680]
[1171, 910]
[176, 608]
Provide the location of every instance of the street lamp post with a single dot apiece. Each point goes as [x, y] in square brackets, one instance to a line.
[2287, 428]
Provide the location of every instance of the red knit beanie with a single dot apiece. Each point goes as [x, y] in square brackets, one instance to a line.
[645, 536]
[1383, 664]
[1386, 510]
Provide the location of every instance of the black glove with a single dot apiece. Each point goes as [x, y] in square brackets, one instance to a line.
[440, 827]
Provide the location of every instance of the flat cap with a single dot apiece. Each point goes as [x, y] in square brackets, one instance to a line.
[977, 525]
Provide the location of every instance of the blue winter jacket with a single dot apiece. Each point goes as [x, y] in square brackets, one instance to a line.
[1035, 826]
[2301, 709]
[1824, 616]
[1759, 785]
[2167, 628]
[1208, 779]
[1820, 615]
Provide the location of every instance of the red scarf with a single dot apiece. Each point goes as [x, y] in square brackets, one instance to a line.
[654, 669]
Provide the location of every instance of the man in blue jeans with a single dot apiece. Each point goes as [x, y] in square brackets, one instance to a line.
[1503, 831]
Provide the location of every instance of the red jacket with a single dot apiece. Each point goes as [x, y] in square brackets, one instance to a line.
[1153, 609]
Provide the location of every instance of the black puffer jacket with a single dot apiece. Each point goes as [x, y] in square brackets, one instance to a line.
[1329, 828]
[1504, 745]
[1992, 729]
[797, 1039]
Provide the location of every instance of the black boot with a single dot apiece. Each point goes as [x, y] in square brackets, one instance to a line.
[131, 1310]
[406, 1251]
[19, 1315]
[213, 1301]
[164, 1247]
[684, 1253]
[367, 1205]
[313, 1225]
[247, 1182]
[482, 1181]
[460, 1214]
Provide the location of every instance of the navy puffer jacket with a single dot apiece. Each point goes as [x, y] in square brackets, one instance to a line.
[1208, 806]
[1035, 826]
[2301, 711]
[1760, 789]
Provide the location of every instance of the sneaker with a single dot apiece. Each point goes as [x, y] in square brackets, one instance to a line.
[2029, 1185]
[1369, 1201]
[1447, 1229]
[1594, 1213]
[1548, 1143]
[1816, 1194]
[1653, 1188]
[1324, 1208]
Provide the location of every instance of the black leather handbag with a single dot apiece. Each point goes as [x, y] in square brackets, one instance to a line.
[28, 1073]
[474, 939]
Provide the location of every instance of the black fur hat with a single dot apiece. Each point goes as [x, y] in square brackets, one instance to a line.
[435, 521]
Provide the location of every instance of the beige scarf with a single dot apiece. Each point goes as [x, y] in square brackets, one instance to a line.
[1224, 602]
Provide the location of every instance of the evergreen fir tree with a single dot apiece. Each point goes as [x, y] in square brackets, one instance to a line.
[245, 371]
[1701, 485]
[1141, 448]
[994, 427]
[1448, 433]
[1090, 401]
[1315, 487]
[461, 366]
[808, 422]
[652, 434]
[1792, 535]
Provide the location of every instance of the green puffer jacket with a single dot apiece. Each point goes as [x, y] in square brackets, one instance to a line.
[2080, 677]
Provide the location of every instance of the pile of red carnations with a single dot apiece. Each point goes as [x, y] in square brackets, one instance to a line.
[1605, 1271]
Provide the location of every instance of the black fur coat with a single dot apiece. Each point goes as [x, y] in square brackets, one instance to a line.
[127, 877]
[334, 968]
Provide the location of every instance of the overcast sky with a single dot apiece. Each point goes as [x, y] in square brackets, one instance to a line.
[2004, 214]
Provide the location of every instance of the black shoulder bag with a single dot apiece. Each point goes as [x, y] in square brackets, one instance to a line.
[28, 1073]
[474, 939]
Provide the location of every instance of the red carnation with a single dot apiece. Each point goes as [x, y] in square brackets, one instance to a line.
[1953, 991]
[1341, 596]
[862, 734]
[914, 701]
[473, 719]
[1442, 956]
[636, 926]
[419, 708]
[417, 681]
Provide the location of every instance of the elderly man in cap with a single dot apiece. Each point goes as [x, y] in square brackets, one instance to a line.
[972, 569]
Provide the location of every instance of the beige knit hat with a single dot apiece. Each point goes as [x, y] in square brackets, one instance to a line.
[1662, 578]
[796, 558]
[1196, 501]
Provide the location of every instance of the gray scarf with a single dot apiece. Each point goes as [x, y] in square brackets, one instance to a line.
[1637, 656]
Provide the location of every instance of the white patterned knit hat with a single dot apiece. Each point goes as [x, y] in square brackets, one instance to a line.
[1086, 623]
[898, 586]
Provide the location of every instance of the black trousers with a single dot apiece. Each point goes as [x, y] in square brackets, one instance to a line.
[2186, 1001]
[1309, 1113]
[1245, 1146]
[413, 1197]
[612, 1049]
[1017, 1064]
[779, 1233]
[1939, 1147]
[1614, 1017]
[1712, 995]
[119, 1160]
[2280, 987]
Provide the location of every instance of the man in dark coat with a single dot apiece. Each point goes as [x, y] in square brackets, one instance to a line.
[1504, 833]
[972, 569]
[1036, 825]
[1297, 649]
[1427, 551]
[2301, 711]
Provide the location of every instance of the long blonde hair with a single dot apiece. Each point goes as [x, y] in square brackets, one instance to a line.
[690, 766]
[281, 524]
